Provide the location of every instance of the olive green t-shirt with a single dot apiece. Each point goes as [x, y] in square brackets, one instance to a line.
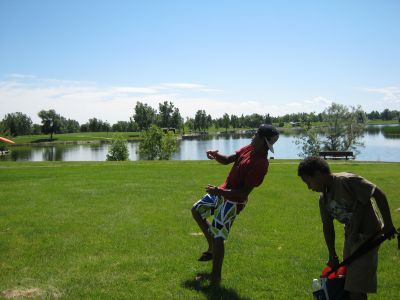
[348, 194]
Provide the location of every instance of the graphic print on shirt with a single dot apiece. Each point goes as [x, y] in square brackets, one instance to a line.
[340, 212]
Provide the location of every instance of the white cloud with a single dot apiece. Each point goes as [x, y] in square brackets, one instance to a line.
[294, 104]
[83, 100]
[318, 101]
[217, 107]
[134, 90]
[391, 94]
[316, 104]
[189, 86]
[20, 76]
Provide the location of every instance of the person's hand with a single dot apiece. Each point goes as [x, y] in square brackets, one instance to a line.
[333, 261]
[211, 154]
[212, 190]
[389, 231]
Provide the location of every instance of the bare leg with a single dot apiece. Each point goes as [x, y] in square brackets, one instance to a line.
[358, 296]
[218, 258]
[204, 228]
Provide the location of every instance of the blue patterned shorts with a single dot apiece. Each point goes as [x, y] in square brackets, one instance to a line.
[224, 212]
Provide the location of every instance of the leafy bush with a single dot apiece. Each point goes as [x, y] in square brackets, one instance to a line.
[308, 143]
[156, 144]
[118, 149]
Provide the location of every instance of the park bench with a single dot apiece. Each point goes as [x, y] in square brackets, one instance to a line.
[336, 154]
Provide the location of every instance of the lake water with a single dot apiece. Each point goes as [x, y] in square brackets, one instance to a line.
[378, 147]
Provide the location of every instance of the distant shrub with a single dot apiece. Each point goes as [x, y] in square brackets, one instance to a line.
[281, 124]
[118, 149]
[157, 145]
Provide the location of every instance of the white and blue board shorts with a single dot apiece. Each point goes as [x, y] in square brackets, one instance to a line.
[224, 212]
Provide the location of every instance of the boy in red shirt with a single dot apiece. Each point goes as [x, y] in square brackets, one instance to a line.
[227, 200]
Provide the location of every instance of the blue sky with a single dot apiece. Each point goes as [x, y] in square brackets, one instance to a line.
[98, 58]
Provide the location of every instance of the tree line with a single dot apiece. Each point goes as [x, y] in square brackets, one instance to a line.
[167, 116]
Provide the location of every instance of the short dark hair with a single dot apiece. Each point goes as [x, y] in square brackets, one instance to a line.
[310, 165]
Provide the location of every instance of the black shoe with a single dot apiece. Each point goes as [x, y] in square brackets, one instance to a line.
[205, 256]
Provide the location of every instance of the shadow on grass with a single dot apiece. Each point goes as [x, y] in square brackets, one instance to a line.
[210, 291]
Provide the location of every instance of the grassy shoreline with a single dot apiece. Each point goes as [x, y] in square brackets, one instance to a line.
[83, 137]
[123, 230]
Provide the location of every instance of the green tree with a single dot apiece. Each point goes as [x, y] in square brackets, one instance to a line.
[124, 126]
[168, 146]
[165, 114]
[226, 121]
[343, 132]
[201, 120]
[242, 123]
[17, 124]
[94, 125]
[156, 145]
[234, 121]
[3, 129]
[176, 119]
[189, 123]
[345, 127]
[84, 128]
[118, 149]
[308, 142]
[51, 122]
[69, 126]
[132, 126]
[254, 120]
[120, 126]
[36, 129]
[374, 115]
[386, 115]
[144, 115]
[267, 119]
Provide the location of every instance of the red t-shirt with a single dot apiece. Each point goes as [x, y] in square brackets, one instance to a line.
[249, 170]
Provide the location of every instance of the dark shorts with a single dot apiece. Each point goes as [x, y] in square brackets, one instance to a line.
[361, 273]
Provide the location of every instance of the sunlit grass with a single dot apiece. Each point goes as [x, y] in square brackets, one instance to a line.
[123, 230]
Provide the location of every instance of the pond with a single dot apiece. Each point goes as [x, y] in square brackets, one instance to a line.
[378, 147]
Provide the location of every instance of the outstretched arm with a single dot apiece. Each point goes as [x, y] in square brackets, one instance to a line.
[222, 159]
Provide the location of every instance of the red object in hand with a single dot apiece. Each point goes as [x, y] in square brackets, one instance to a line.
[341, 272]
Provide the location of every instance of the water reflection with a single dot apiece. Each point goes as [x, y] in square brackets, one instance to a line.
[378, 147]
[374, 130]
[391, 136]
[24, 153]
[52, 154]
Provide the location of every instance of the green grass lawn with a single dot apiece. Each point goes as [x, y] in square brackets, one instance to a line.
[382, 122]
[109, 230]
[68, 137]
